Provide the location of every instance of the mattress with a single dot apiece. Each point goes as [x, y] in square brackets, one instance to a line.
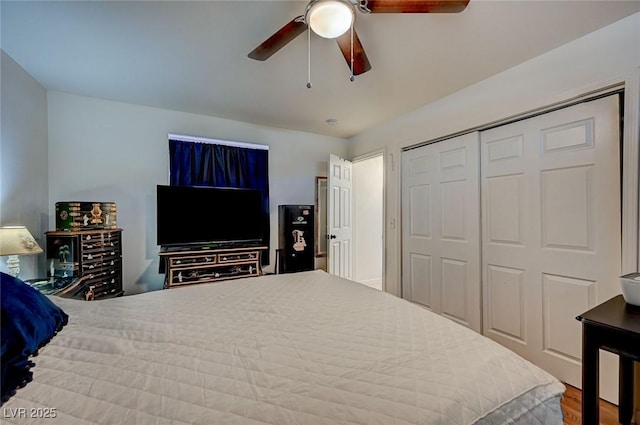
[302, 348]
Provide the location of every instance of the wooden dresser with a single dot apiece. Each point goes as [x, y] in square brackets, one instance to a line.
[202, 264]
[94, 254]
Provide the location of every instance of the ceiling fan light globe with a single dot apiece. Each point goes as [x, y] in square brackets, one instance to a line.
[330, 18]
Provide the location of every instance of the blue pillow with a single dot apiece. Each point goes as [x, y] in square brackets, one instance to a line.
[29, 321]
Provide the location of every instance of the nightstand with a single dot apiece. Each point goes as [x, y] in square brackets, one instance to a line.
[613, 326]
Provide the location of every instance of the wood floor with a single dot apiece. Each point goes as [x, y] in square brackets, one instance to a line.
[571, 406]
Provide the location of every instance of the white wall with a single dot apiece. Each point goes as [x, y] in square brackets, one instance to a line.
[605, 57]
[110, 151]
[368, 180]
[23, 159]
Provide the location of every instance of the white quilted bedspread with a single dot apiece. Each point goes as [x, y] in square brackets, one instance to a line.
[305, 348]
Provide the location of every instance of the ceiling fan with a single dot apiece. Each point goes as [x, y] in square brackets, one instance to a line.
[334, 18]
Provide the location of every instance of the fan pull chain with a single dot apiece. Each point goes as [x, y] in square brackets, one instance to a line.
[309, 58]
[352, 77]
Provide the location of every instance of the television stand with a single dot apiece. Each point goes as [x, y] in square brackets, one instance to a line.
[203, 263]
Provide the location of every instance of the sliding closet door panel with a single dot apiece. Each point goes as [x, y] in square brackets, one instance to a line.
[441, 228]
[418, 224]
[551, 230]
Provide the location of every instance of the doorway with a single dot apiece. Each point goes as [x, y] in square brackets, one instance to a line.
[368, 220]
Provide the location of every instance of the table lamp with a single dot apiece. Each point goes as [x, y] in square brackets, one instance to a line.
[14, 241]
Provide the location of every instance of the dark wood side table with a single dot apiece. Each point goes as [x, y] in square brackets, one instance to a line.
[613, 326]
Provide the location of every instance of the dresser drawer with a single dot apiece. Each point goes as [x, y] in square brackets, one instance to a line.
[187, 261]
[212, 273]
[112, 265]
[235, 257]
[105, 287]
[97, 241]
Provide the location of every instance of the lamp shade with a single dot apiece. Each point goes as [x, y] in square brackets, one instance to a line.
[17, 240]
[330, 18]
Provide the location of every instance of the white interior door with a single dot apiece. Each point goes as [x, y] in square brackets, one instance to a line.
[551, 233]
[339, 217]
[441, 228]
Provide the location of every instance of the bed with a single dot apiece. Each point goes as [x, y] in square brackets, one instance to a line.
[301, 348]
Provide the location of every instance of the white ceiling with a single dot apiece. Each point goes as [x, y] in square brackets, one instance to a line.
[192, 55]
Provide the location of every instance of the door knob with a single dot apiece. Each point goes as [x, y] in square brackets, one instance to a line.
[331, 236]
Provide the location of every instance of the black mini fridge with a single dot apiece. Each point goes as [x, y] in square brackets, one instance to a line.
[296, 238]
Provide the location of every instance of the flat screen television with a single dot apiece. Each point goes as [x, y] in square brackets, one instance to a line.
[205, 215]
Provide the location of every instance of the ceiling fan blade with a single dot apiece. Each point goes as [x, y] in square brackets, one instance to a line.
[278, 40]
[360, 61]
[416, 6]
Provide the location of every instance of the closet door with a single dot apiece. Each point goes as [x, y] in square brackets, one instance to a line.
[551, 232]
[441, 228]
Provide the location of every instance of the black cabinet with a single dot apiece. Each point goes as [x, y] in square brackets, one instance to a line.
[296, 238]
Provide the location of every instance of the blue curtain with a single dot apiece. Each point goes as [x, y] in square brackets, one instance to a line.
[213, 165]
